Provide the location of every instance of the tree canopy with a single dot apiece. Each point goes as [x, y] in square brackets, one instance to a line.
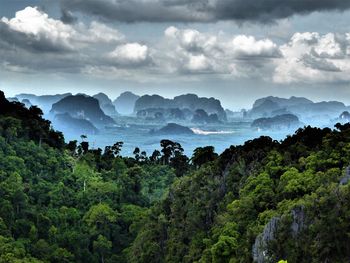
[264, 200]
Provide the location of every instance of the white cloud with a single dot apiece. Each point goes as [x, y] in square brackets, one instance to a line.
[307, 57]
[191, 40]
[32, 32]
[198, 64]
[42, 31]
[37, 24]
[130, 54]
[196, 52]
[328, 47]
[100, 33]
[305, 38]
[248, 46]
[313, 58]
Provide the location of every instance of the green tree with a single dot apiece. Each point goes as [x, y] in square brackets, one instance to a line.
[202, 155]
[99, 218]
[102, 246]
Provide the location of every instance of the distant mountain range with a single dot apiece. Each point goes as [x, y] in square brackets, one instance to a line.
[83, 113]
[106, 104]
[188, 107]
[125, 103]
[314, 113]
[284, 121]
[69, 125]
[82, 107]
[43, 102]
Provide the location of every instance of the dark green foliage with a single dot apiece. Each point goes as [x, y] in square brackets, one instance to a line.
[203, 155]
[16, 120]
[69, 203]
[172, 154]
[215, 213]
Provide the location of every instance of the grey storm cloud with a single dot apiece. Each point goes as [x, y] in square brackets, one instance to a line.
[14, 39]
[319, 64]
[265, 11]
[67, 17]
[135, 11]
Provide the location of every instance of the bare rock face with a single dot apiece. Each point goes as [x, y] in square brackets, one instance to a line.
[260, 252]
[299, 220]
[344, 180]
[260, 248]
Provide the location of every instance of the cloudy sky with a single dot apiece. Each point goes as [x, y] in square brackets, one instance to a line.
[234, 50]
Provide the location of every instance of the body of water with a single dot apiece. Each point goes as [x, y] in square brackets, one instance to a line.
[138, 135]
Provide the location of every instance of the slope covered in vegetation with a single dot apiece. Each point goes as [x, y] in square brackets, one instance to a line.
[264, 201]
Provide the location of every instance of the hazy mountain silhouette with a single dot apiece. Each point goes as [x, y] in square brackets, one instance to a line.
[106, 104]
[82, 107]
[285, 121]
[189, 102]
[315, 113]
[44, 102]
[172, 128]
[125, 103]
[69, 125]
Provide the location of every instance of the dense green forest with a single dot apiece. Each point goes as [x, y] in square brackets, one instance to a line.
[264, 201]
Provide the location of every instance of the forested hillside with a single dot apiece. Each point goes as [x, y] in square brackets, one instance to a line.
[263, 201]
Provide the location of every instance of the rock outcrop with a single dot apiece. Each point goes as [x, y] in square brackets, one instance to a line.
[284, 121]
[82, 107]
[172, 129]
[260, 249]
[346, 178]
[313, 113]
[189, 102]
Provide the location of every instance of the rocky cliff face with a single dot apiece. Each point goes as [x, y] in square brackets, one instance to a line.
[260, 250]
[346, 178]
[260, 247]
[297, 222]
[189, 102]
[82, 107]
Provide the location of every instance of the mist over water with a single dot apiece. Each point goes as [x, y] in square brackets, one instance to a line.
[137, 135]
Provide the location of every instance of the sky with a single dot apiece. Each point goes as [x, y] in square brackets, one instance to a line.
[233, 50]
